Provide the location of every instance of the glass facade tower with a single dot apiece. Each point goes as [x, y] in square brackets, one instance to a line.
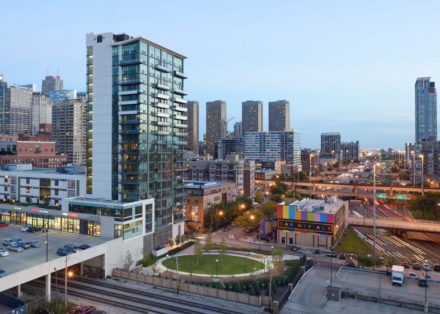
[426, 109]
[136, 124]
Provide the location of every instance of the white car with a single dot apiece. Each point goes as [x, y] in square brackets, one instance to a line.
[4, 253]
[24, 229]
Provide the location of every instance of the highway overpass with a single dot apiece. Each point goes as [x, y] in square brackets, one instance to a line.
[395, 224]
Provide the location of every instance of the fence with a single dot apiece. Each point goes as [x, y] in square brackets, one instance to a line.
[208, 291]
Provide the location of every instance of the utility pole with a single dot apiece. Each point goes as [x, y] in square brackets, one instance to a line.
[178, 279]
[47, 243]
[374, 209]
[423, 183]
[310, 175]
[65, 283]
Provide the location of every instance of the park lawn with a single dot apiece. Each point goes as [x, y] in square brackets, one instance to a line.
[206, 264]
[352, 243]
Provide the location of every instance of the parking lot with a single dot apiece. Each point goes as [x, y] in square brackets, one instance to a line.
[17, 261]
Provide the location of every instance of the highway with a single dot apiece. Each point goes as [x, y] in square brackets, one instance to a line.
[395, 224]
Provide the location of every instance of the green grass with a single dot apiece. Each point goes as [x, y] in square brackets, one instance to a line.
[351, 243]
[206, 264]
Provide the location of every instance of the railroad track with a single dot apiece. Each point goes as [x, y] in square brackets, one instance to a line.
[158, 296]
[104, 301]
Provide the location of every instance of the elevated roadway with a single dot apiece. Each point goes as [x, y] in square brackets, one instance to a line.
[396, 224]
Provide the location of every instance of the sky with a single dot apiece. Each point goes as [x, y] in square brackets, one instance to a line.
[345, 66]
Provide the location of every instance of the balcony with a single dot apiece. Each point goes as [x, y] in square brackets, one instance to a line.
[161, 114]
[124, 112]
[136, 131]
[133, 81]
[181, 109]
[162, 68]
[180, 74]
[180, 117]
[132, 92]
[180, 92]
[181, 142]
[162, 96]
[181, 125]
[128, 102]
[180, 100]
[161, 105]
[162, 87]
[184, 134]
[161, 123]
[132, 121]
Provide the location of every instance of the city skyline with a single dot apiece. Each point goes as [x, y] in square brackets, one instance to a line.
[358, 86]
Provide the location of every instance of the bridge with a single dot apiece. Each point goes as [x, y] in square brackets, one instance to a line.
[396, 224]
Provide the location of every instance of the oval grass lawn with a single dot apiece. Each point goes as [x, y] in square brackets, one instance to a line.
[206, 264]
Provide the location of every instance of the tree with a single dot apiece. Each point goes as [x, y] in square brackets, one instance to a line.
[249, 220]
[128, 260]
[390, 261]
[208, 242]
[269, 208]
[198, 250]
[394, 169]
[258, 197]
[302, 175]
[277, 198]
[365, 261]
[404, 175]
[279, 188]
[426, 206]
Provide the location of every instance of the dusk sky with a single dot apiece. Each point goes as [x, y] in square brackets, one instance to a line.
[347, 66]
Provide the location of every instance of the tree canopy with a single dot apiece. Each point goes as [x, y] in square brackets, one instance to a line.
[426, 206]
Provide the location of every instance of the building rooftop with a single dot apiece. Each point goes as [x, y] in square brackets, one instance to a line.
[317, 206]
[62, 170]
[202, 184]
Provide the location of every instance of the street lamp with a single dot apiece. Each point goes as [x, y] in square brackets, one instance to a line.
[67, 274]
[243, 206]
[310, 175]
[423, 185]
[216, 266]
[413, 168]
[374, 209]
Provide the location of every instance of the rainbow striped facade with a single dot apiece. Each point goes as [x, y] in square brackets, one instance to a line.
[290, 212]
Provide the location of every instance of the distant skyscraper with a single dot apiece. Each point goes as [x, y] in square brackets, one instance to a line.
[331, 145]
[279, 115]
[426, 109]
[51, 83]
[15, 109]
[274, 146]
[59, 95]
[230, 145]
[41, 111]
[350, 151]
[69, 130]
[215, 123]
[238, 129]
[193, 126]
[252, 116]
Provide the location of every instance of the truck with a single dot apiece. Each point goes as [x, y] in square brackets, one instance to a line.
[397, 275]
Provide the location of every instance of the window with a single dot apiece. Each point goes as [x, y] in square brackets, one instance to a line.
[56, 192]
[56, 182]
[28, 190]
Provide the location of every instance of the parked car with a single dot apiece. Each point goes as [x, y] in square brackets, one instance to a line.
[412, 276]
[44, 311]
[3, 253]
[7, 241]
[417, 267]
[350, 263]
[15, 248]
[341, 256]
[405, 265]
[317, 251]
[3, 273]
[4, 224]
[71, 247]
[426, 267]
[423, 283]
[63, 252]
[84, 246]
[436, 267]
[24, 245]
[332, 254]
[34, 229]
[24, 229]
[35, 243]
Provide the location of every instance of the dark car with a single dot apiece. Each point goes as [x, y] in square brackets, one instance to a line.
[405, 265]
[44, 311]
[350, 264]
[71, 247]
[35, 243]
[423, 283]
[2, 273]
[84, 246]
[317, 252]
[63, 252]
[417, 267]
[332, 254]
[342, 256]
[436, 267]
[82, 309]
[24, 245]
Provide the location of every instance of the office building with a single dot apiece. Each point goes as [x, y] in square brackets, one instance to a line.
[231, 169]
[252, 116]
[331, 145]
[137, 127]
[25, 184]
[200, 195]
[193, 126]
[40, 154]
[41, 111]
[238, 129]
[350, 151]
[69, 130]
[311, 223]
[426, 109]
[215, 123]
[230, 145]
[51, 83]
[309, 158]
[58, 96]
[279, 115]
[273, 146]
[15, 108]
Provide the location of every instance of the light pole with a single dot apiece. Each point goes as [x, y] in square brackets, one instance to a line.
[178, 279]
[374, 209]
[216, 267]
[270, 285]
[413, 169]
[67, 274]
[47, 243]
[56, 281]
[331, 271]
[423, 185]
[310, 175]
